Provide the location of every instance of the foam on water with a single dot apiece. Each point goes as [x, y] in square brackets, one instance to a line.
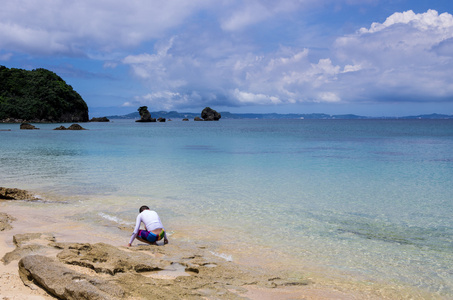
[114, 219]
[222, 255]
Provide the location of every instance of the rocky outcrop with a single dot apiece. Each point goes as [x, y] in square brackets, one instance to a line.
[72, 127]
[185, 119]
[104, 258]
[27, 126]
[161, 119]
[63, 282]
[208, 114]
[197, 119]
[101, 119]
[145, 115]
[15, 194]
[28, 243]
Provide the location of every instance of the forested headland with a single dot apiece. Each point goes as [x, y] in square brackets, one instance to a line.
[39, 95]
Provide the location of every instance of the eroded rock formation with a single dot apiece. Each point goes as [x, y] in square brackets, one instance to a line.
[145, 115]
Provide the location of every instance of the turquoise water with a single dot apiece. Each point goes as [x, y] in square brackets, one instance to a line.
[371, 198]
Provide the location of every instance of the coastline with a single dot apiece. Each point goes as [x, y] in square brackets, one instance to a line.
[258, 279]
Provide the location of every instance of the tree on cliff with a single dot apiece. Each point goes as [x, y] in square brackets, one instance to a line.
[39, 94]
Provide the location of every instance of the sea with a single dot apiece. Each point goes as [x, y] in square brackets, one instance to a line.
[366, 204]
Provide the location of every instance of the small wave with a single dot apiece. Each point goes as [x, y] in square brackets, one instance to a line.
[222, 255]
[112, 218]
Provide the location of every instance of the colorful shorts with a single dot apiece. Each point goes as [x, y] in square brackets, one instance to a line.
[149, 236]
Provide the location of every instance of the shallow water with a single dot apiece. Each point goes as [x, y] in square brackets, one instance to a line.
[365, 199]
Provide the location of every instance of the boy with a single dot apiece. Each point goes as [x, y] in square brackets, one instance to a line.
[154, 230]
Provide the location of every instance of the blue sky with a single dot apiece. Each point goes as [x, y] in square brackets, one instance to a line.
[367, 57]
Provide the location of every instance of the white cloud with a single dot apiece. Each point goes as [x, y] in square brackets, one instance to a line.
[425, 21]
[75, 27]
[328, 97]
[159, 68]
[252, 12]
[404, 58]
[247, 98]
[186, 64]
[351, 68]
[165, 100]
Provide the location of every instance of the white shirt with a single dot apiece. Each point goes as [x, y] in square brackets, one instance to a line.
[151, 220]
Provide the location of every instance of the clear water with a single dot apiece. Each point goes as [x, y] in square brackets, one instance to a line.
[368, 198]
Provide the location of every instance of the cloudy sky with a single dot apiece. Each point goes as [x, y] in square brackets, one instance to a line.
[367, 57]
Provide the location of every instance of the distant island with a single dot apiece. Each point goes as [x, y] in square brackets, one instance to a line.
[38, 96]
[319, 116]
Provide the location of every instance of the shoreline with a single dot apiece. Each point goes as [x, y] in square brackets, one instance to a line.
[12, 287]
[33, 218]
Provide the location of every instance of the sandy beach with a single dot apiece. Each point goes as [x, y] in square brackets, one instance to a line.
[195, 271]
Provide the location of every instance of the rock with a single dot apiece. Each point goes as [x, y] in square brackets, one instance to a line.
[76, 127]
[176, 271]
[28, 243]
[198, 119]
[161, 119]
[72, 127]
[145, 115]
[24, 239]
[104, 258]
[5, 221]
[21, 252]
[101, 119]
[208, 114]
[15, 194]
[27, 126]
[64, 283]
[185, 119]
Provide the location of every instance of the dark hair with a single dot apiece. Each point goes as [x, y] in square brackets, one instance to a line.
[143, 208]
